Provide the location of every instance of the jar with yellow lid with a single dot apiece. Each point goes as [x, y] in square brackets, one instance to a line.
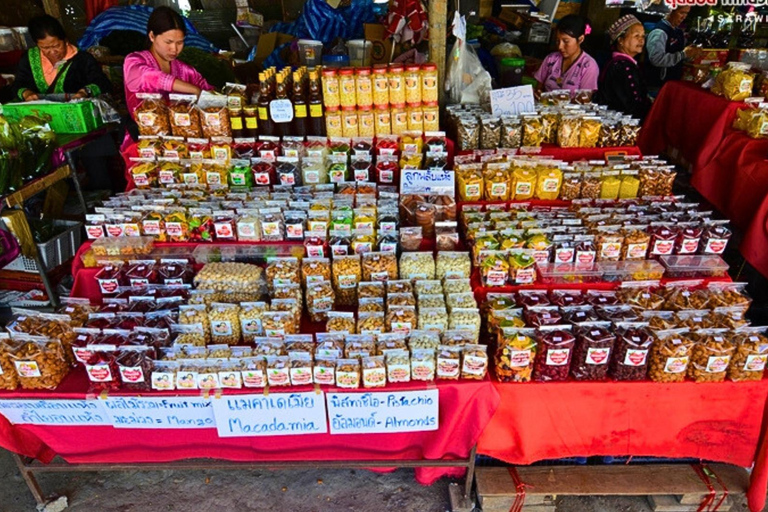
[413, 84]
[380, 85]
[429, 90]
[364, 87]
[365, 121]
[431, 117]
[396, 85]
[349, 123]
[383, 121]
[347, 88]
[415, 119]
[333, 122]
[330, 88]
[399, 119]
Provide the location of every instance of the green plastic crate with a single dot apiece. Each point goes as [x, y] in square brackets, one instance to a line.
[65, 117]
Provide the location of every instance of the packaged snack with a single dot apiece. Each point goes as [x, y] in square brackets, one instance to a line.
[301, 371]
[515, 355]
[340, 321]
[379, 266]
[347, 272]
[278, 371]
[39, 362]
[448, 362]
[470, 182]
[374, 372]
[630, 359]
[417, 265]
[401, 319]
[711, 356]
[670, 356]
[398, 366]
[423, 340]
[423, 364]
[750, 355]
[592, 353]
[348, 373]
[184, 116]
[152, 115]
[554, 352]
[225, 323]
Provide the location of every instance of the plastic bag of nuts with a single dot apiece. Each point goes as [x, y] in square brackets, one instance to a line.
[592, 353]
[39, 361]
[750, 356]
[379, 266]
[466, 319]
[320, 300]
[282, 271]
[347, 274]
[670, 356]
[453, 265]
[370, 323]
[423, 364]
[420, 339]
[728, 295]
[152, 115]
[225, 323]
[428, 287]
[348, 373]
[401, 299]
[399, 286]
[401, 318]
[315, 270]
[184, 116]
[434, 301]
[371, 289]
[250, 320]
[515, 355]
[554, 352]
[711, 355]
[9, 380]
[630, 359]
[398, 366]
[374, 372]
[230, 277]
[196, 315]
[640, 296]
[340, 321]
[433, 319]
[417, 265]
[457, 286]
[474, 362]
[448, 362]
[278, 323]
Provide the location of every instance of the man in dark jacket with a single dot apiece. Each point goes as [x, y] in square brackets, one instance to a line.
[667, 49]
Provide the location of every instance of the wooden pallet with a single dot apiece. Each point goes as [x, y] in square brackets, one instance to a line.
[664, 482]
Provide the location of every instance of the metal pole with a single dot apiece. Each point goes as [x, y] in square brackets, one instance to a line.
[29, 478]
[75, 181]
[470, 473]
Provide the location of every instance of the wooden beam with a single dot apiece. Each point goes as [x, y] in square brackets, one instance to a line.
[438, 24]
[53, 8]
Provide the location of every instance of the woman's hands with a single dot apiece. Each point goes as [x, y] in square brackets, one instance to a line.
[29, 95]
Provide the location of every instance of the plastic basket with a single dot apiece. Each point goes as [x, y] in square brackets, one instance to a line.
[65, 117]
[55, 251]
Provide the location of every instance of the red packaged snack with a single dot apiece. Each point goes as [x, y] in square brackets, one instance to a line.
[316, 245]
[264, 173]
[662, 240]
[175, 272]
[688, 239]
[714, 239]
[110, 278]
[135, 368]
[268, 148]
[594, 344]
[128, 321]
[579, 314]
[532, 298]
[538, 316]
[553, 359]
[387, 170]
[141, 306]
[630, 358]
[141, 274]
[159, 320]
[567, 298]
[102, 371]
[585, 250]
[100, 320]
[84, 338]
[617, 314]
[602, 298]
[113, 306]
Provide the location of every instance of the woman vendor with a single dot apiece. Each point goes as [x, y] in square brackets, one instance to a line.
[621, 86]
[55, 66]
[569, 67]
[158, 70]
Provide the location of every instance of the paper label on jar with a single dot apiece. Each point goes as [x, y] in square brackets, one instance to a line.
[523, 188]
[174, 229]
[253, 378]
[388, 247]
[230, 380]
[598, 356]
[637, 251]
[278, 376]
[525, 275]
[301, 376]
[401, 327]
[312, 177]
[498, 189]
[361, 174]
[213, 178]
[663, 247]
[474, 365]
[324, 376]
[472, 190]
[221, 328]
[564, 255]
[676, 365]
[162, 381]
[715, 246]
[755, 363]
[27, 369]
[374, 377]
[186, 380]
[399, 373]
[448, 368]
[495, 278]
[717, 364]
[557, 356]
[423, 370]
[388, 227]
[182, 119]
[260, 178]
[635, 357]
[386, 176]
[208, 380]
[350, 380]
[294, 231]
[610, 251]
[586, 256]
[347, 281]
[98, 372]
[379, 276]
[520, 358]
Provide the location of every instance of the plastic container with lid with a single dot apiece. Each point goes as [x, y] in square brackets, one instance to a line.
[366, 122]
[349, 122]
[360, 52]
[335, 61]
[333, 122]
[380, 85]
[565, 273]
[413, 84]
[383, 121]
[631, 270]
[364, 87]
[330, 88]
[310, 52]
[431, 117]
[347, 88]
[694, 266]
[396, 85]
[511, 71]
[415, 119]
[429, 92]
[399, 119]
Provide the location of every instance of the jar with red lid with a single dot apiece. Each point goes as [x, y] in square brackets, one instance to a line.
[380, 86]
[316, 245]
[364, 87]
[429, 90]
[662, 240]
[347, 88]
[688, 238]
[396, 84]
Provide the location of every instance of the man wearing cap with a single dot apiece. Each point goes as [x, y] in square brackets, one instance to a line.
[666, 48]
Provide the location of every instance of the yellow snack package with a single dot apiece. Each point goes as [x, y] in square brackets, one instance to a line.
[610, 185]
[523, 183]
[548, 182]
[496, 177]
[590, 131]
[569, 131]
[533, 130]
[630, 184]
[470, 179]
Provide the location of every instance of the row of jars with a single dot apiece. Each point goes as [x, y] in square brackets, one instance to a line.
[368, 122]
[396, 85]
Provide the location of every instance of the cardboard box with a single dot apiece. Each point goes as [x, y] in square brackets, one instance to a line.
[267, 44]
[382, 43]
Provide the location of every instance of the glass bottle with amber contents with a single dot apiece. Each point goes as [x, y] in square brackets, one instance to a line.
[266, 126]
[315, 100]
[299, 106]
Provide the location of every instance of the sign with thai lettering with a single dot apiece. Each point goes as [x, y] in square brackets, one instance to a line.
[383, 412]
[275, 414]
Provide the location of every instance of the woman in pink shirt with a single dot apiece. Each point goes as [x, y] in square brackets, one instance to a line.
[569, 67]
[157, 70]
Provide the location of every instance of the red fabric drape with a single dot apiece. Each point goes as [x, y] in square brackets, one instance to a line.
[95, 7]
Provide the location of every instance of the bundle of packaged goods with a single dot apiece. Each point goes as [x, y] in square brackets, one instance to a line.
[498, 176]
[568, 126]
[240, 327]
[641, 331]
[26, 148]
[753, 120]
[282, 163]
[384, 100]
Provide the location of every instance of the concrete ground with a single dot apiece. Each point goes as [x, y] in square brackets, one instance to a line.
[295, 491]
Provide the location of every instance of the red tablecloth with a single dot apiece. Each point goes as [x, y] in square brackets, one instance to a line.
[754, 246]
[686, 122]
[714, 421]
[464, 411]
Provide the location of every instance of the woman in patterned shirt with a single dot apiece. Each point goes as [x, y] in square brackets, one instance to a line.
[621, 86]
[569, 67]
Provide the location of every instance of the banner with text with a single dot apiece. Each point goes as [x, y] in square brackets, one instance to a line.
[414, 181]
[160, 412]
[383, 412]
[55, 412]
[512, 100]
[276, 414]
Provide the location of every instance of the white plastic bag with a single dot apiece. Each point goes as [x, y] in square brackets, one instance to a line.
[466, 80]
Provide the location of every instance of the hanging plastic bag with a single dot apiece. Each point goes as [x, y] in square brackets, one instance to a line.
[466, 80]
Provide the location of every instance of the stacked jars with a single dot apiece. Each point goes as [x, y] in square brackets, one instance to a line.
[381, 101]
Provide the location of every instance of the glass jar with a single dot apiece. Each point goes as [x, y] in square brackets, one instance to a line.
[415, 119]
[251, 120]
[333, 122]
[431, 117]
[366, 124]
[236, 122]
[429, 91]
[349, 123]
[347, 88]
[399, 119]
[383, 123]
[380, 86]
[396, 86]
[413, 84]
[330, 88]
[364, 87]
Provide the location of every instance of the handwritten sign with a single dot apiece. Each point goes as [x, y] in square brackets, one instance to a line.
[281, 111]
[413, 181]
[160, 412]
[55, 412]
[512, 100]
[383, 412]
[273, 415]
